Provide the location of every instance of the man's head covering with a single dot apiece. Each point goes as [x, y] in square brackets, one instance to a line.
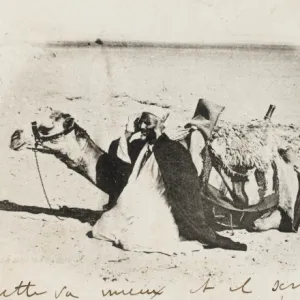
[205, 117]
[160, 113]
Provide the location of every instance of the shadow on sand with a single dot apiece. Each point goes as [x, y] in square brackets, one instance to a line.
[83, 215]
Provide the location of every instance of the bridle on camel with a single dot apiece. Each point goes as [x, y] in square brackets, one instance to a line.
[38, 141]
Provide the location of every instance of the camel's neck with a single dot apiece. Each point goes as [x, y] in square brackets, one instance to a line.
[91, 154]
[83, 157]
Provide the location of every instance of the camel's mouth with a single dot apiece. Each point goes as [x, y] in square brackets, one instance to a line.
[17, 142]
[18, 147]
[21, 140]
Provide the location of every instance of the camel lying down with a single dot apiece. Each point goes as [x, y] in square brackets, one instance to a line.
[240, 149]
[253, 160]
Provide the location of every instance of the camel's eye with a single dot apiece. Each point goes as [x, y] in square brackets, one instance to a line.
[44, 130]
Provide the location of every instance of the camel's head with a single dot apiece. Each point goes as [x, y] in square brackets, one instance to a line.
[56, 133]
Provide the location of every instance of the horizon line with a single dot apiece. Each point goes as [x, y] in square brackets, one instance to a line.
[140, 44]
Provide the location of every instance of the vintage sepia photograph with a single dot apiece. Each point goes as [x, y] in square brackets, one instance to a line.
[149, 149]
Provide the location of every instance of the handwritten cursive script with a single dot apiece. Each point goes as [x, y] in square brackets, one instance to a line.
[203, 287]
[278, 286]
[65, 292]
[30, 290]
[22, 289]
[131, 292]
[243, 286]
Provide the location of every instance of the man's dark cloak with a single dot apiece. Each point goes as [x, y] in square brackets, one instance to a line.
[182, 186]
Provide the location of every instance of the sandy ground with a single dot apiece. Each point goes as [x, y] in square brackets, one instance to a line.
[53, 253]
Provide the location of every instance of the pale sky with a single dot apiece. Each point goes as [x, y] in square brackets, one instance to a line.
[185, 21]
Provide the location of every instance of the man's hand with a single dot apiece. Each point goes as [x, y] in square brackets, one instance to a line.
[131, 126]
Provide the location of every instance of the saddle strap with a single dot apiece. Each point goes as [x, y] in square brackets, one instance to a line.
[207, 167]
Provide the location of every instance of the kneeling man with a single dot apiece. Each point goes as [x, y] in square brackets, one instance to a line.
[159, 202]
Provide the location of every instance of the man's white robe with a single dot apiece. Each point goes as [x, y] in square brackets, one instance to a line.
[142, 219]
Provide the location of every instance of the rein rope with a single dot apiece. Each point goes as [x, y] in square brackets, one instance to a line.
[42, 182]
[39, 139]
